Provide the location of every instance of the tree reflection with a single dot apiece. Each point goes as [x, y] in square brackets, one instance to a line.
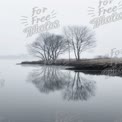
[79, 88]
[48, 78]
[51, 78]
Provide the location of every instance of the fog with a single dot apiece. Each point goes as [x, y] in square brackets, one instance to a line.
[13, 40]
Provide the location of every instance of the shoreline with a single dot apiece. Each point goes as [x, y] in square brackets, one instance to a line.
[84, 64]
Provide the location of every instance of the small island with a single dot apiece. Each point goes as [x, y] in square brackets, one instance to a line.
[75, 40]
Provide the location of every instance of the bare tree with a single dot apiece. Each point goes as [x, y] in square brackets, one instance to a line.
[48, 47]
[79, 39]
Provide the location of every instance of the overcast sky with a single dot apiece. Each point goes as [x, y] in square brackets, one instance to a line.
[69, 12]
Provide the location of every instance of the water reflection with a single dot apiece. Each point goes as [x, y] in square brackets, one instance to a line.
[79, 88]
[48, 78]
[73, 85]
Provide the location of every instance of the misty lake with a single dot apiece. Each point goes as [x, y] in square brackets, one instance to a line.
[53, 94]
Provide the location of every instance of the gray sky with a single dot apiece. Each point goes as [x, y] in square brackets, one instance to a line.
[69, 12]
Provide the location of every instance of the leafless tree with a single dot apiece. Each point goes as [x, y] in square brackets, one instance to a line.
[48, 47]
[79, 38]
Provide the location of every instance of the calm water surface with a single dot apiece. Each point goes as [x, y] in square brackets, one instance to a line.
[51, 94]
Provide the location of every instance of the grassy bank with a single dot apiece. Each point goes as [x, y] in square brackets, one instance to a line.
[84, 64]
